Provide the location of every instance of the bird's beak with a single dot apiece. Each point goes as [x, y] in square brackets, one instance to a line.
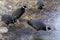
[46, 28]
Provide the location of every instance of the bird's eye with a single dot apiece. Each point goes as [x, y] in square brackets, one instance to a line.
[49, 28]
[24, 6]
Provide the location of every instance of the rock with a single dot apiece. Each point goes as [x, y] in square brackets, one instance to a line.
[38, 25]
[19, 12]
[7, 18]
[3, 29]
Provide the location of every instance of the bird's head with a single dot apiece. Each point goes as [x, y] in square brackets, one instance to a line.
[24, 6]
[46, 28]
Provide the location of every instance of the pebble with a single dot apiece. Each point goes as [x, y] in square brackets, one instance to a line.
[3, 30]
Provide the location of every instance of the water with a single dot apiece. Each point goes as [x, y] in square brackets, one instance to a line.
[53, 35]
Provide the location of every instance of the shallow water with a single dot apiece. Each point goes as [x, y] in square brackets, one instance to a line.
[53, 35]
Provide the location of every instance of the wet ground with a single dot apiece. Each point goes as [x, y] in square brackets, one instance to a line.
[50, 15]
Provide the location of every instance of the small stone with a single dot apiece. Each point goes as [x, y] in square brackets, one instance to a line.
[3, 29]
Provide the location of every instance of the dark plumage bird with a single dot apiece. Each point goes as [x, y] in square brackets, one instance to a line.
[19, 12]
[40, 4]
[38, 25]
[7, 18]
